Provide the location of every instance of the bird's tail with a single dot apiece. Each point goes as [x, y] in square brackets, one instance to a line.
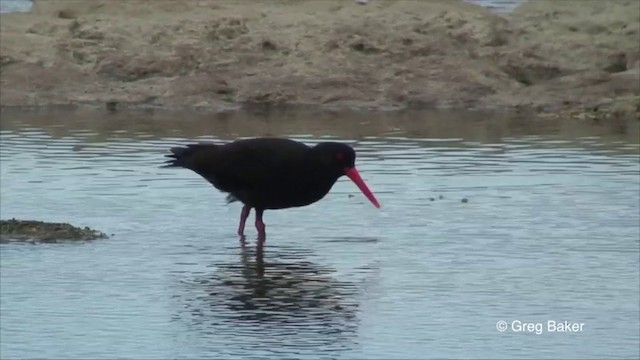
[185, 156]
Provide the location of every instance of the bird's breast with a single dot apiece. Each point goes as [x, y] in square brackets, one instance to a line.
[290, 192]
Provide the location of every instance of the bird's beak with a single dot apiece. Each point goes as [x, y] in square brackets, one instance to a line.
[353, 174]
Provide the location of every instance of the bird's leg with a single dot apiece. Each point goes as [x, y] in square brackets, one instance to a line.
[260, 225]
[244, 214]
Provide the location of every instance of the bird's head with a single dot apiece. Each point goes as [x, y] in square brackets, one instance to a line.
[342, 158]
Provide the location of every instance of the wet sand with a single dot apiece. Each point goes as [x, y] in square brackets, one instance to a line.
[576, 58]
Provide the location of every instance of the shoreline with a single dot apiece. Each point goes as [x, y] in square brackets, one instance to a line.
[545, 57]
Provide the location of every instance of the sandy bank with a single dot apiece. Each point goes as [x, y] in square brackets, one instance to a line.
[547, 55]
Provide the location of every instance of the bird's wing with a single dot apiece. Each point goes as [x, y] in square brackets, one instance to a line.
[250, 164]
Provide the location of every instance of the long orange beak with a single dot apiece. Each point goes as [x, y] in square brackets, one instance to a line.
[354, 175]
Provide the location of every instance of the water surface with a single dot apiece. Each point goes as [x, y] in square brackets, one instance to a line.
[550, 231]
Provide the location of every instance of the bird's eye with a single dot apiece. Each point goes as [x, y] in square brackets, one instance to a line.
[339, 156]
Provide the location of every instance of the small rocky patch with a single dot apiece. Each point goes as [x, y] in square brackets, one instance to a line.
[32, 231]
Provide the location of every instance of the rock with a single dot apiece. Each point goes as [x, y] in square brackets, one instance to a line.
[625, 82]
[43, 232]
[617, 63]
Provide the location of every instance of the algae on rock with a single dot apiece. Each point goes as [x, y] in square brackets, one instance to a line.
[45, 232]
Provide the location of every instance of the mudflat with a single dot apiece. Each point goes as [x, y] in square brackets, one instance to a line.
[547, 56]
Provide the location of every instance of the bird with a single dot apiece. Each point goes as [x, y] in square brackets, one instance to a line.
[270, 173]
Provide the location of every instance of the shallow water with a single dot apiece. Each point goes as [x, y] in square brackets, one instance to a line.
[549, 232]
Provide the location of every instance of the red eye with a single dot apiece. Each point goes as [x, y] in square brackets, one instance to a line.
[339, 156]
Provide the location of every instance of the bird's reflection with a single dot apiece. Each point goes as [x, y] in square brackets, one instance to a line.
[274, 295]
[245, 257]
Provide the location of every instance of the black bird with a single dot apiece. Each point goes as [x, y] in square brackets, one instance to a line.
[270, 173]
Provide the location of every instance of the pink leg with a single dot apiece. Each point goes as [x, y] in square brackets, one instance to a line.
[244, 214]
[262, 235]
